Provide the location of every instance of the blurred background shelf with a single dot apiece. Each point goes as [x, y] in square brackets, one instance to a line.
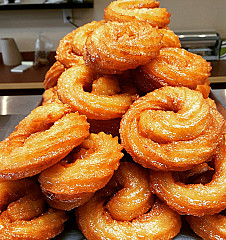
[57, 4]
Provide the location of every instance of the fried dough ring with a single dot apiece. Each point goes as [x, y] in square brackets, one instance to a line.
[65, 53]
[175, 67]
[96, 222]
[40, 140]
[137, 10]
[53, 74]
[171, 128]
[209, 227]
[26, 216]
[115, 47]
[68, 185]
[71, 86]
[194, 199]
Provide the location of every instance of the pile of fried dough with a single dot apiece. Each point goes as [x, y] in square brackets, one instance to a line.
[126, 138]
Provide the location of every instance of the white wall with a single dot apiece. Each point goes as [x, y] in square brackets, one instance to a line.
[24, 25]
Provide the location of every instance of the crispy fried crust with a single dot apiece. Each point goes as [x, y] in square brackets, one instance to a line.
[96, 222]
[68, 185]
[24, 214]
[40, 140]
[171, 128]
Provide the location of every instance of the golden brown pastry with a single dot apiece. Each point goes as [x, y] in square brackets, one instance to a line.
[171, 128]
[138, 10]
[194, 199]
[99, 221]
[109, 104]
[175, 67]
[70, 183]
[115, 47]
[65, 53]
[40, 140]
[24, 214]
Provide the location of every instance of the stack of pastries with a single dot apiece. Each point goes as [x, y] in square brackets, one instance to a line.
[126, 137]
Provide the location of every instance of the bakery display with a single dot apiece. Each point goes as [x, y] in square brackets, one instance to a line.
[127, 143]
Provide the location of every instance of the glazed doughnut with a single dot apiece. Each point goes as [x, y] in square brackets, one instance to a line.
[71, 85]
[40, 140]
[53, 74]
[24, 214]
[115, 47]
[133, 220]
[137, 10]
[209, 227]
[69, 184]
[171, 128]
[194, 199]
[174, 67]
[65, 53]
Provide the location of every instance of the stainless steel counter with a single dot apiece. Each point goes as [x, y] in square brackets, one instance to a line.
[23, 104]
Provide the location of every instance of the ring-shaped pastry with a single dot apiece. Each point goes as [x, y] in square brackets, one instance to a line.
[96, 222]
[174, 67]
[67, 185]
[194, 199]
[171, 128]
[115, 47]
[138, 10]
[71, 85]
[24, 214]
[40, 140]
